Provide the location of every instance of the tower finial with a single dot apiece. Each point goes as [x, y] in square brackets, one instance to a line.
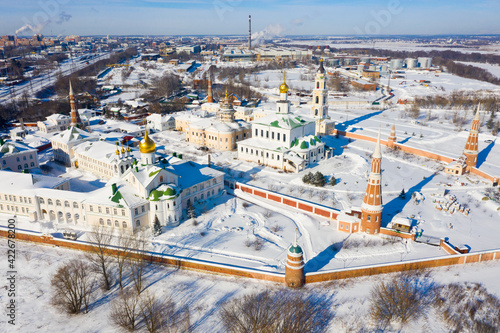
[295, 241]
[476, 117]
[376, 152]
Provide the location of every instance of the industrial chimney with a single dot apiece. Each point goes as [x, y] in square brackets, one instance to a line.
[249, 32]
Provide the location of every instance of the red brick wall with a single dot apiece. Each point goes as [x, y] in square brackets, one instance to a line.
[259, 193]
[274, 197]
[289, 202]
[321, 212]
[305, 207]
[280, 278]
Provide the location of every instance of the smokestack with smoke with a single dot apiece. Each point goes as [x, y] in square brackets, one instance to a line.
[249, 32]
[268, 33]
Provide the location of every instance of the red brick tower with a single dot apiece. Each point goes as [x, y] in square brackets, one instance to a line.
[371, 209]
[75, 117]
[471, 147]
[210, 98]
[391, 142]
[294, 268]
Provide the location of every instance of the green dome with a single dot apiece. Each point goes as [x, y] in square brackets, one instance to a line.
[170, 191]
[155, 195]
[303, 145]
[295, 249]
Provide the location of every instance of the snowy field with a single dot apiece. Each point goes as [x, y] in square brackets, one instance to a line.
[206, 294]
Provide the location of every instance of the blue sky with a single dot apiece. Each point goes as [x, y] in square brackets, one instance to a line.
[293, 17]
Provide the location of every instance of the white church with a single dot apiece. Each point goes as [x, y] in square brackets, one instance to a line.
[289, 142]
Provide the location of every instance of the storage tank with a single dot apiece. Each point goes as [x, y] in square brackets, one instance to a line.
[364, 59]
[411, 63]
[396, 63]
[425, 62]
[348, 61]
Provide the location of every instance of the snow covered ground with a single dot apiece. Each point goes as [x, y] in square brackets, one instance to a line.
[206, 294]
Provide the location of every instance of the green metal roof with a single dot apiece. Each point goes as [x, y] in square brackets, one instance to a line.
[295, 249]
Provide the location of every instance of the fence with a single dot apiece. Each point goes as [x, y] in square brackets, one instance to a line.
[311, 277]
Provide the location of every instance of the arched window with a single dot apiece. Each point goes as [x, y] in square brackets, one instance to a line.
[101, 221]
[41, 201]
[66, 204]
[60, 215]
[317, 85]
[19, 167]
[161, 179]
[75, 204]
[121, 169]
[24, 158]
[77, 217]
[17, 159]
[317, 99]
[26, 165]
[32, 164]
[137, 223]
[108, 222]
[58, 202]
[124, 224]
[369, 218]
[50, 202]
[68, 217]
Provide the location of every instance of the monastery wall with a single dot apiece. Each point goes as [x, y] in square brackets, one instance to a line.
[214, 268]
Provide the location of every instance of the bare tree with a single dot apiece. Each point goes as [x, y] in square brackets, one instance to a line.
[125, 310]
[400, 299]
[276, 312]
[153, 311]
[100, 255]
[138, 265]
[124, 242]
[73, 284]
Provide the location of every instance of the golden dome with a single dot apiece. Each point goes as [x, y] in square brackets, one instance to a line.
[123, 149]
[128, 148]
[117, 151]
[284, 86]
[147, 145]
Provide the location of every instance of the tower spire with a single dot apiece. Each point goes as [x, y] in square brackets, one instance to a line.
[75, 117]
[210, 98]
[371, 208]
[472, 145]
[295, 241]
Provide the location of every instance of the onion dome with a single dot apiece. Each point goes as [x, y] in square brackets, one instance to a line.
[147, 145]
[284, 86]
[123, 150]
[321, 69]
[117, 150]
[295, 249]
[128, 148]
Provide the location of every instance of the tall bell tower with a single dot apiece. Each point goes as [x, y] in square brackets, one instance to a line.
[471, 147]
[319, 108]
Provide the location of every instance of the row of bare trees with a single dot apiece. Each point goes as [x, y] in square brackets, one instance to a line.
[117, 264]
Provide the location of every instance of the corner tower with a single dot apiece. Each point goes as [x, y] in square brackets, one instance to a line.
[294, 268]
[471, 147]
[371, 208]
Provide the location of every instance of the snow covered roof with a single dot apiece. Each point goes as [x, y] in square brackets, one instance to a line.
[264, 144]
[305, 143]
[102, 151]
[220, 126]
[287, 121]
[342, 217]
[72, 134]
[191, 173]
[12, 147]
[16, 182]
[57, 116]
